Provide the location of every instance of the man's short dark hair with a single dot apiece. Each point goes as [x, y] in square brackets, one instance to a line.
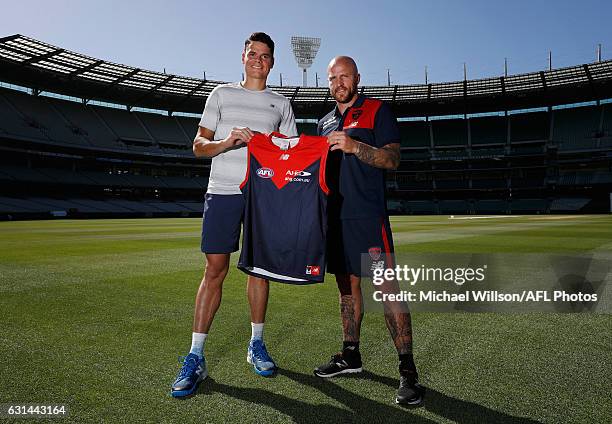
[262, 37]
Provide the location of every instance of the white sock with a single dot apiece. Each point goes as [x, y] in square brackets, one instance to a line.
[197, 343]
[257, 331]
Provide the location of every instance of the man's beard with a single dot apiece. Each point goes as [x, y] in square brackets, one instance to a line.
[345, 97]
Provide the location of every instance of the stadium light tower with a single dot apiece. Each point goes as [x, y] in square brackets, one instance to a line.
[305, 49]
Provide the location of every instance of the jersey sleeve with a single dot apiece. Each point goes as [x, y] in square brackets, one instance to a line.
[386, 130]
[287, 126]
[323, 168]
[212, 113]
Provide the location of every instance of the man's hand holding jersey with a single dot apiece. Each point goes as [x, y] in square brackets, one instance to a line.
[204, 146]
[339, 140]
[238, 136]
[386, 157]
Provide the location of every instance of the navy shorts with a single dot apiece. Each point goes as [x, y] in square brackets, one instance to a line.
[221, 222]
[349, 239]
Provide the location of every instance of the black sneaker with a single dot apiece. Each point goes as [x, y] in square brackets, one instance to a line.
[340, 363]
[410, 392]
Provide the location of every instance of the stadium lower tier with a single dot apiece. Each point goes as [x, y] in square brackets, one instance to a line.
[47, 207]
[17, 208]
[526, 206]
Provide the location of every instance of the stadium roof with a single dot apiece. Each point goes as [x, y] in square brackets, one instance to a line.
[43, 67]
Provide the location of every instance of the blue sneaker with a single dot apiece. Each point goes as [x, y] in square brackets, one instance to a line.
[258, 356]
[192, 373]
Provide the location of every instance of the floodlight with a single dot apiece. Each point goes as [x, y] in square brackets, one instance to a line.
[305, 49]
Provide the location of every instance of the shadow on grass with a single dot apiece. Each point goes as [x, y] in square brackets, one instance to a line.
[457, 410]
[304, 412]
[359, 408]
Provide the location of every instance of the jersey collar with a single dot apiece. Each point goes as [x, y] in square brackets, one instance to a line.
[358, 103]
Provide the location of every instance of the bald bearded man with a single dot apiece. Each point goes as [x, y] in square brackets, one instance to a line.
[364, 141]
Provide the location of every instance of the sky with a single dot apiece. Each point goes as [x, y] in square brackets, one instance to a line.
[402, 38]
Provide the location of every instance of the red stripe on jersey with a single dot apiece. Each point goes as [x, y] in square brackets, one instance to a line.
[362, 117]
[322, 180]
[390, 263]
[246, 177]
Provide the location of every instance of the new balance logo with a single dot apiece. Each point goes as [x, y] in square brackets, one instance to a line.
[284, 156]
[313, 270]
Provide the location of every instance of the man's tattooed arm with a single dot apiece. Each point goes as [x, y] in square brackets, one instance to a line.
[386, 157]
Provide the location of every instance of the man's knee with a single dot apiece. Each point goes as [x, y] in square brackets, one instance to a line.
[348, 284]
[257, 282]
[217, 266]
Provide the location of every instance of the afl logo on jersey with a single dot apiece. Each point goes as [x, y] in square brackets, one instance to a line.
[265, 173]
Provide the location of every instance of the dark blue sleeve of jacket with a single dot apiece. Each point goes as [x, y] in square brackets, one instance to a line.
[386, 130]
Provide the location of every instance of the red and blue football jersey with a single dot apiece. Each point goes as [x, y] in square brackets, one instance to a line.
[285, 216]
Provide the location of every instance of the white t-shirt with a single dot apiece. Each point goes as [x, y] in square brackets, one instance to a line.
[231, 105]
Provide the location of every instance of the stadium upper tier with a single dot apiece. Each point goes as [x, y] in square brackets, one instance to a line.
[31, 63]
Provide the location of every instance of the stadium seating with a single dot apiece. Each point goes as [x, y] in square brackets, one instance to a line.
[576, 128]
[451, 184]
[449, 132]
[568, 205]
[18, 205]
[488, 206]
[189, 126]
[46, 205]
[529, 126]
[414, 133]
[605, 142]
[489, 183]
[164, 129]
[460, 207]
[192, 206]
[527, 182]
[421, 207]
[36, 113]
[97, 206]
[15, 125]
[527, 149]
[184, 183]
[124, 124]
[22, 173]
[64, 176]
[414, 185]
[414, 154]
[307, 128]
[528, 205]
[91, 127]
[470, 158]
[488, 130]
[607, 120]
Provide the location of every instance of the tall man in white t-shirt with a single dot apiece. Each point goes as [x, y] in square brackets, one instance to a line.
[231, 115]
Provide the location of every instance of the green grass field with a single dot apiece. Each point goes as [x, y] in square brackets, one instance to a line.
[93, 314]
